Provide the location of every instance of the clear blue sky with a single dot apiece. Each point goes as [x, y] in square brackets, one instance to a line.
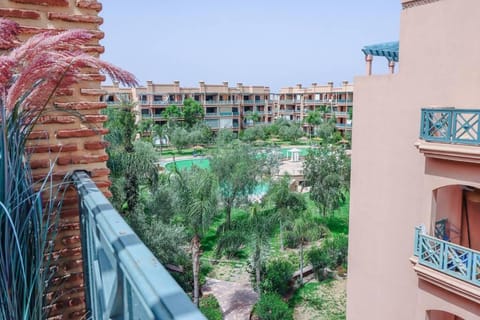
[277, 43]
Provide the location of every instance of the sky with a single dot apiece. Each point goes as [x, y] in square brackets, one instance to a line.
[277, 43]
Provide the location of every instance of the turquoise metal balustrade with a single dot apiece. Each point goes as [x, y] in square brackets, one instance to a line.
[450, 125]
[457, 261]
[123, 279]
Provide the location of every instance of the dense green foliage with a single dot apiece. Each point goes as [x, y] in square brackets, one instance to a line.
[331, 254]
[237, 169]
[271, 307]
[277, 277]
[210, 308]
[327, 173]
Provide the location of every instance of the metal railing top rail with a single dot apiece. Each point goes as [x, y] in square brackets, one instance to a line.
[123, 278]
[457, 261]
[450, 125]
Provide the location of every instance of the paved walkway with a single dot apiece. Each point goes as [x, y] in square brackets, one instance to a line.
[236, 299]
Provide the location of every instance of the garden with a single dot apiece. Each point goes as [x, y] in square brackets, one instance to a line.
[200, 219]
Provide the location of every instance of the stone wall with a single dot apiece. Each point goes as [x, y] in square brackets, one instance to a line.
[66, 140]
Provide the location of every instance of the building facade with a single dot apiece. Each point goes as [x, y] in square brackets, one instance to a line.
[239, 107]
[415, 190]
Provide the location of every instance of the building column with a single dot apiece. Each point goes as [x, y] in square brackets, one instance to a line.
[391, 67]
[369, 59]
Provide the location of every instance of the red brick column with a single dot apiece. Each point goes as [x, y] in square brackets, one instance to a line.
[69, 141]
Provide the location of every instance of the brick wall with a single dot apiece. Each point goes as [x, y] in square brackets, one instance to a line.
[67, 141]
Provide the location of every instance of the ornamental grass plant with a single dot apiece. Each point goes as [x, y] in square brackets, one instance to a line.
[31, 74]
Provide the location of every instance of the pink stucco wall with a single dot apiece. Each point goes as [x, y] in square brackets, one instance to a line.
[392, 182]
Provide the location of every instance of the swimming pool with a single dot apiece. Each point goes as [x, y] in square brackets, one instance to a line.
[204, 163]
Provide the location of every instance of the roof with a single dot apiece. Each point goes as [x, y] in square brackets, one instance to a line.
[388, 50]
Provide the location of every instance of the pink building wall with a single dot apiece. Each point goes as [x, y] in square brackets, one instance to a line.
[392, 182]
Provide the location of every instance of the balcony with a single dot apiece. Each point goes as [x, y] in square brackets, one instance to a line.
[226, 114]
[450, 125]
[341, 114]
[343, 126]
[123, 279]
[444, 264]
[161, 103]
[450, 133]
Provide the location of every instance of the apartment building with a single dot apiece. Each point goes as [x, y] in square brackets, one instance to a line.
[415, 191]
[241, 106]
[294, 103]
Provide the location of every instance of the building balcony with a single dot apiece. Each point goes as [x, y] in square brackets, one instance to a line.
[341, 114]
[450, 266]
[226, 114]
[310, 101]
[449, 133]
[343, 126]
[286, 101]
[248, 101]
[450, 125]
[161, 103]
[123, 279]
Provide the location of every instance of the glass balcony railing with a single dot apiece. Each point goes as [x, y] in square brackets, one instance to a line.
[450, 125]
[226, 114]
[341, 114]
[123, 278]
[449, 258]
[345, 126]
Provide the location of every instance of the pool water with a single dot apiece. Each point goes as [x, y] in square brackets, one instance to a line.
[185, 164]
[204, 163]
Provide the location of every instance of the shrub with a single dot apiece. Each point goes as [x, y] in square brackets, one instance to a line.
[337, 248]
[278, 276]
[291, 239]
[210, 308]
[331, 254]
[320, 260]
[272, 307]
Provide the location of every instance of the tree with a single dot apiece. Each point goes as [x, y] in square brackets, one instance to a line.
[131, 164]
[305, 229]
[197, 203]
[326, 130]
[254, 133]
[291, 132]
[224, 137]
[327, 173]
[287, 203]
[192, 112]
[145, 126]
[172, 113]
[30, 76]
[313, 119]
[237, 169]
[256, 231]
[179, 137]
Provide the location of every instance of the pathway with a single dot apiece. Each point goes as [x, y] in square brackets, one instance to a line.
[236, 299]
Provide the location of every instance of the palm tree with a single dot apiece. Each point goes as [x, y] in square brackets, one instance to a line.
[131, 163]
[256, 231]
[197, 204]
[286, 203]
[314, 118]
[305, 228]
